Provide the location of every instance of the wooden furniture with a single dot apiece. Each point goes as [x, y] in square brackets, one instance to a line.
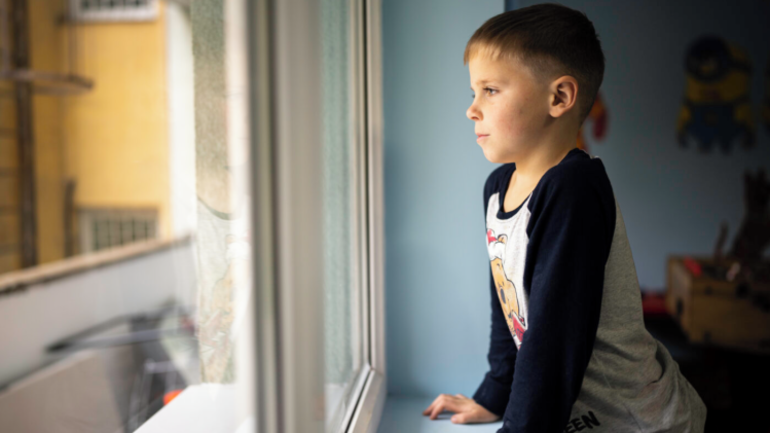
[712, 310]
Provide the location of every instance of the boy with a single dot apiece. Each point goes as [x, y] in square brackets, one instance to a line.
[568, 349]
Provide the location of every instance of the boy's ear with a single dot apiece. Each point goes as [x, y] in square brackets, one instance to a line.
[564, 91]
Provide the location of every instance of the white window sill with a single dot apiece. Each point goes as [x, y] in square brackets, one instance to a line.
[210, 408]
[205, 408]
[404, 414]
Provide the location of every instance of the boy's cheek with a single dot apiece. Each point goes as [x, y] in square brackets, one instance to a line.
[515, 129]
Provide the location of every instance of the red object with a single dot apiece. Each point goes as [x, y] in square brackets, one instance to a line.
[654, 304]
[692, 266]
[599, 115]
[600, 127]
[170, 396]
[518, 329]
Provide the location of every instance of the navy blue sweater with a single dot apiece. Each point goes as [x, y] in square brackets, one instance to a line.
[536, 374]
[548, 262]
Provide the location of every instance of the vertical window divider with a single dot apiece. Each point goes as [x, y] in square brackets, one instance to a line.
[369, 410]
[286, 344]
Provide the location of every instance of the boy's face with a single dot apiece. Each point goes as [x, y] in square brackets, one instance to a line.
[510, 108]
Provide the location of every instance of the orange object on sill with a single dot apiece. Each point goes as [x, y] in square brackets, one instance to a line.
[170, 396]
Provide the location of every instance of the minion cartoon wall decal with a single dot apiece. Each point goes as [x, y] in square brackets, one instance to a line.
[716, 103]
[599, 119]
[506, 291]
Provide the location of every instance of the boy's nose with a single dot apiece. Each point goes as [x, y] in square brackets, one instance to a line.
[473, 113]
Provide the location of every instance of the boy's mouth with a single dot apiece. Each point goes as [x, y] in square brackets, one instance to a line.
[480, 137]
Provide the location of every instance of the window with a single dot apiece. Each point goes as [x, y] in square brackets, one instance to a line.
[321, 160]
[255, 127]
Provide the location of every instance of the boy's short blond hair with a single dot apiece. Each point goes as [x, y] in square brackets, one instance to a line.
[552, 40]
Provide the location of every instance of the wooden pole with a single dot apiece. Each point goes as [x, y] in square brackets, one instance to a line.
[23, 91]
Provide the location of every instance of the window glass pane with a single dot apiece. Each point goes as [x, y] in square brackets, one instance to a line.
[119, 214]
[342, 178]
[130, 178]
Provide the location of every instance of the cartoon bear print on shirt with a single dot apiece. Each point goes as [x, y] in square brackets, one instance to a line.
[506, 291]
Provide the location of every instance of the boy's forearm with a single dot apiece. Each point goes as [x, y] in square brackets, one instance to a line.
[495, 389]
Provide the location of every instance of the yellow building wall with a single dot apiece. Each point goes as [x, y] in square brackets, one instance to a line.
[117, 135]
[113, 140]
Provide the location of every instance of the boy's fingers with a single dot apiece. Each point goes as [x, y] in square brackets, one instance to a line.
[428, 410]
[445, 404]
[437, 410]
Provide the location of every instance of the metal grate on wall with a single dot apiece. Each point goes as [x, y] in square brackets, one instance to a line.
[107, 228]
[113, 10]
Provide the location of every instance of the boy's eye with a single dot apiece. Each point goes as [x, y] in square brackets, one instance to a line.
[487, 90]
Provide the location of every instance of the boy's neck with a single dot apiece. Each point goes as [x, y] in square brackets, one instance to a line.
[532, 166]
[558, 138]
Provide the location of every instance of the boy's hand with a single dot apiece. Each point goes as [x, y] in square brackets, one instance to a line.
[466, 410]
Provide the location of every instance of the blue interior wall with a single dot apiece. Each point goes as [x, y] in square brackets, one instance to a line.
[672, 199]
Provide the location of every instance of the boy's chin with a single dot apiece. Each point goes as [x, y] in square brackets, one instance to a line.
[496, 157]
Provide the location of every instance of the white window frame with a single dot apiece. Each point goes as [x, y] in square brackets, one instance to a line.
[285, 387]
[369, 411]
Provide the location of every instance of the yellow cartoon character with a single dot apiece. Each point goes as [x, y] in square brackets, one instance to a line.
[506, 291]
[716, 102]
